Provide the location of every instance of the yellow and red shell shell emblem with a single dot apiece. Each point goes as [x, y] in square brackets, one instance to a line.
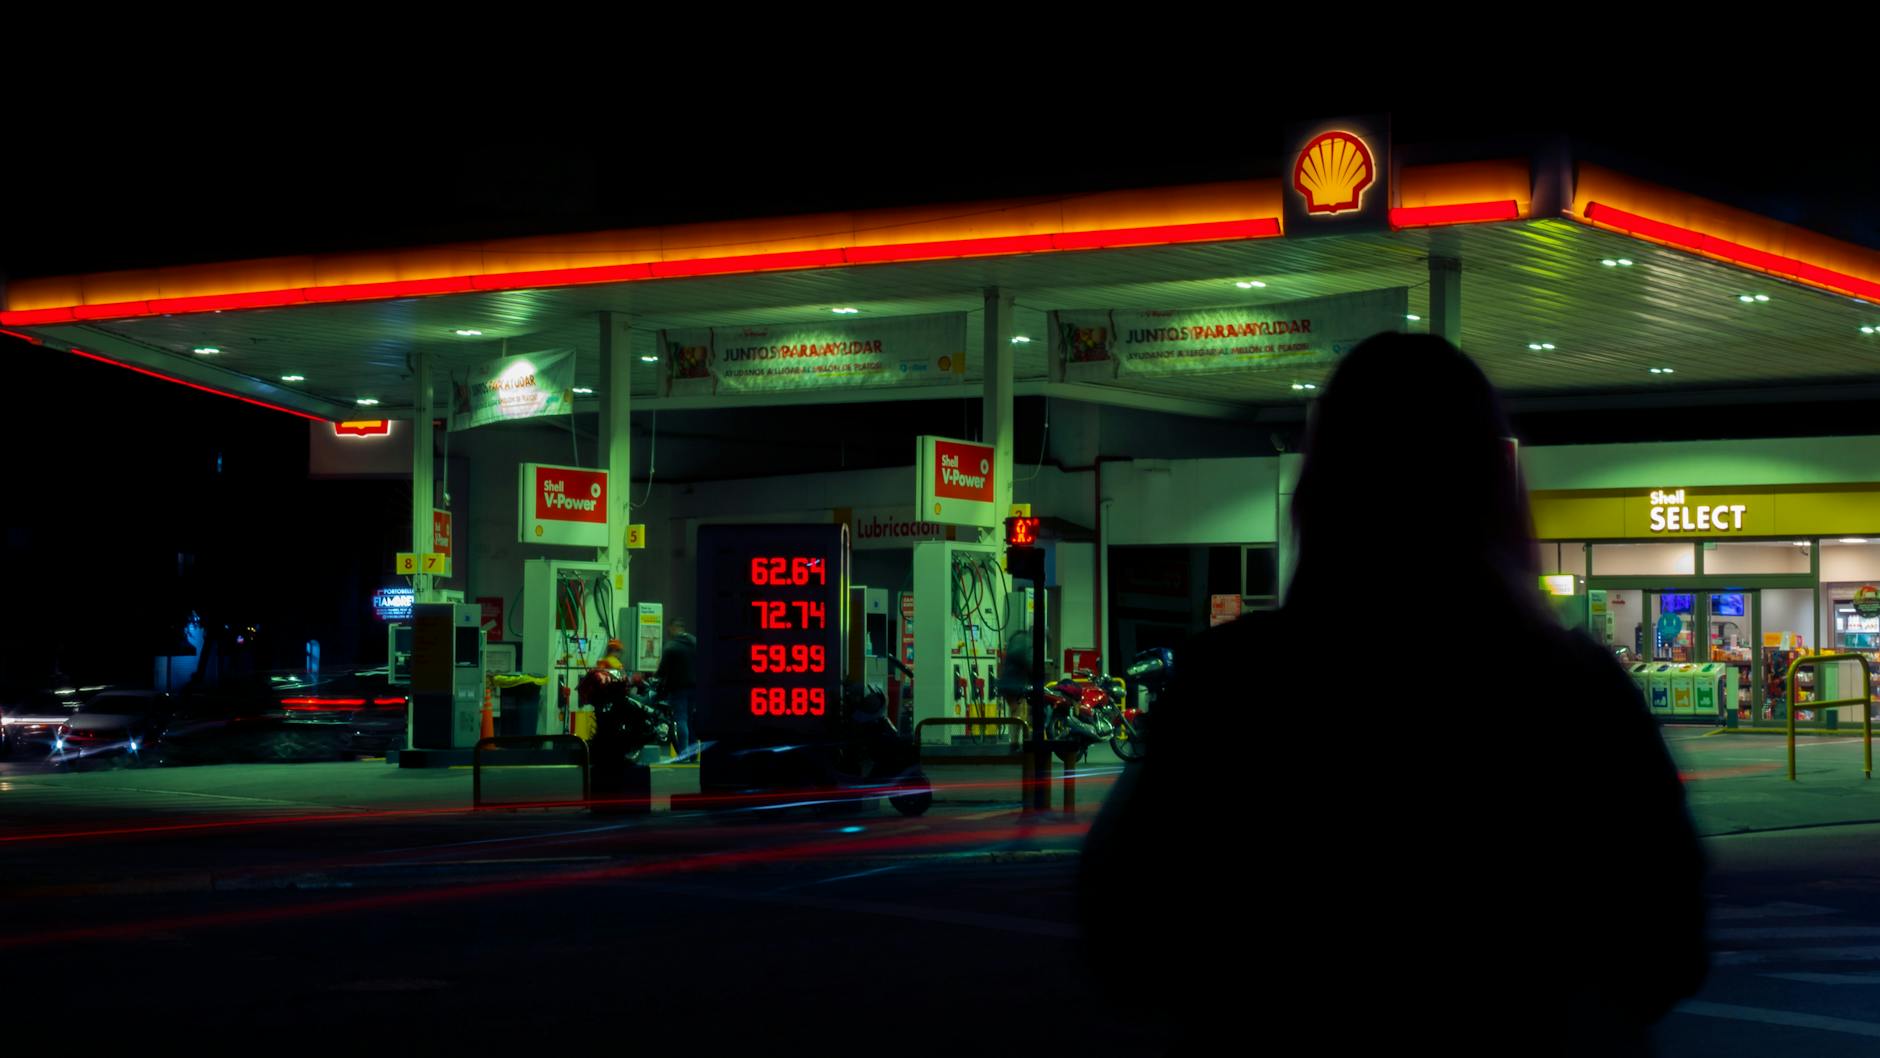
[1333, 172]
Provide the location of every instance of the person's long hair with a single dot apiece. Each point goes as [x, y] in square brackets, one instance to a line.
[1409, 485]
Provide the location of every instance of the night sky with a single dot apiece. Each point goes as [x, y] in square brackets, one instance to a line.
[115, 476]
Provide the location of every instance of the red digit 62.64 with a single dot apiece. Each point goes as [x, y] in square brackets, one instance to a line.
[798, 570]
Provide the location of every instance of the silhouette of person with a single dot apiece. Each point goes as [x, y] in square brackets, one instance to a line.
[1407, 812]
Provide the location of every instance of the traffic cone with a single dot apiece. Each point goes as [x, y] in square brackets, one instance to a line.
[489, 719]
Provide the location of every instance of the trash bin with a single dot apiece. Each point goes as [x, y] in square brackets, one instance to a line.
[1641, 678]
[1710, 689]
[521, 710]
[1660, 695]
[1684, 689]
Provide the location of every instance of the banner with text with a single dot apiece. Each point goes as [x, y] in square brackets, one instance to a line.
[1242, 337]
[914, 350]
[515, 387]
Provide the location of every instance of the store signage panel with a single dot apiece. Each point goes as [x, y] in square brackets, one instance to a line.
[562, 505]
[515, 387]
[879, 528]
[440, 532]
[1792, 512]
[1230, 338]
[1681, 512]
[911, 350]
[956, 482]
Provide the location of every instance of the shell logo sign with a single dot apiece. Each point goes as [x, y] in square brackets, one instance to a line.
[1333, 172]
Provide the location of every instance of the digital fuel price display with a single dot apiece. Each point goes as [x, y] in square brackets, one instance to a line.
[771, 620]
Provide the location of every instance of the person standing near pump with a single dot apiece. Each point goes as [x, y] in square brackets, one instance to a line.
[676, 681]
[1480, 856]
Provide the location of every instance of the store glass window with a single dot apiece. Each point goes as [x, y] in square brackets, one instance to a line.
[1766, 556]
[1848, 565]
[1640, 560]
[1560, 557]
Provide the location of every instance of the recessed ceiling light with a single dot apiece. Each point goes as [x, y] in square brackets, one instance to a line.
[1663, 371]
[1249, 284]
[1020, 339]
[1762, 297]
[1610, 262]
[1868, 330]
[366, 401]
[206, 350]
[1547, 345]
[1853, 540]
[1536, 346]
[1625, 262]
[649, 359]
[1412, 317]
[466, 332]
[293, 378]
[1746, 298]
[846, 310]
[583, 390]
[1304, 385]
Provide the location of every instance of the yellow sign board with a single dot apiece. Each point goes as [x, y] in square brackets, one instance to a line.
[1021, 510]
[636, 537]
[436, 565]
[407, 564]
[1681, 513]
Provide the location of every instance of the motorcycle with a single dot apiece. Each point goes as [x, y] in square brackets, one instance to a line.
[1079, 710]
[1151, 669]
[626, 716]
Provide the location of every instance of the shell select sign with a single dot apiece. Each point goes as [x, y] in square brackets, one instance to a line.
[1333, 172]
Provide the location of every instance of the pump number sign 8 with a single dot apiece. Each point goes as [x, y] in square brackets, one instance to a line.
[771, 619]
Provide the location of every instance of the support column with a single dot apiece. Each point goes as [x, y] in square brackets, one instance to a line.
[996, 418]
[1446, 299]
[616, 442]
[423, 472]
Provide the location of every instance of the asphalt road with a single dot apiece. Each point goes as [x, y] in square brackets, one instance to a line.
[296, 907]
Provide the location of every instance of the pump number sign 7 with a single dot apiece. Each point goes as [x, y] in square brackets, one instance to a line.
[771, 620]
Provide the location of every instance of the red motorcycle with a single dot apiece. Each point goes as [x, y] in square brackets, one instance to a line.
[1081, 710]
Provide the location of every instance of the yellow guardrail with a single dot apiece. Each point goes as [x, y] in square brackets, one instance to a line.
[1865, 701]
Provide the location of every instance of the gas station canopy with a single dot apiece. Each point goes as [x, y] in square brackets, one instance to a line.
[1577, 282]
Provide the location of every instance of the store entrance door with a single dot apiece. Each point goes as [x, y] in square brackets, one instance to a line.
[1692, 652]
[1712, 628]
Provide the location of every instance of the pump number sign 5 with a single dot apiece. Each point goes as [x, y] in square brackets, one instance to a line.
[771, 620]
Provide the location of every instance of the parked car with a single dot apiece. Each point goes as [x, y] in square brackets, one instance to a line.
[120, 725]
[30, 720]
[364, 699]
[261, 718]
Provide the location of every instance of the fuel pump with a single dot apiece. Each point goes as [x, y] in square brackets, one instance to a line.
[568, 615]
[957, 649]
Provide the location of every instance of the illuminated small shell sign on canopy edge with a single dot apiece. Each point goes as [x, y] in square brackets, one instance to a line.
[1333, 172]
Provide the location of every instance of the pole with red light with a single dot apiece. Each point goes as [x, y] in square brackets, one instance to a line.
[1025, 561]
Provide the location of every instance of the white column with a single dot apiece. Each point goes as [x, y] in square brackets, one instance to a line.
[616, 440]
[997, 407]
[1446, 299]
[423, 474]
